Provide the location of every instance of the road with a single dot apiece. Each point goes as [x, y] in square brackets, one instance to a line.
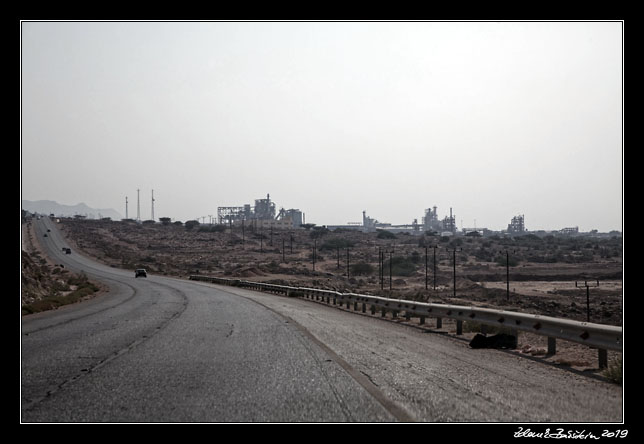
[160, 349]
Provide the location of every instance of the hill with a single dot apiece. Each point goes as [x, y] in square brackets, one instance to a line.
[51, 207]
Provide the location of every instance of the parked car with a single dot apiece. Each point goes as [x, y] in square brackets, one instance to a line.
[140, 272]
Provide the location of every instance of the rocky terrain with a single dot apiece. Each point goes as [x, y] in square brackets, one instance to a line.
[543, 271]
[45, 285]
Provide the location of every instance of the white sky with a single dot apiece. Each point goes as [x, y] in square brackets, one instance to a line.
[491, 119]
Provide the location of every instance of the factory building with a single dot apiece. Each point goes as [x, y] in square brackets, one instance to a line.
[516, 225]
[261, 215]
[432, 223]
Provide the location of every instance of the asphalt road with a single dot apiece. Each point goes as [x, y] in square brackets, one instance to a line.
[159, 349]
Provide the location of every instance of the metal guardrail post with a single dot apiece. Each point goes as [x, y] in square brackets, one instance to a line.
[603, 358]
[552, 345]
[600, 337]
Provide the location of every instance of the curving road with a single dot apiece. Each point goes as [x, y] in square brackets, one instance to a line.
[168, 350]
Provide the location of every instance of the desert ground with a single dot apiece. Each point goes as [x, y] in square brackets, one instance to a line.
[543, 271]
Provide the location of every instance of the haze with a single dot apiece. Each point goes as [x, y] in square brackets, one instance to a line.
[491, 119]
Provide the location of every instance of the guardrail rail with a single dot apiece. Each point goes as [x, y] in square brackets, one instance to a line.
[599, 336]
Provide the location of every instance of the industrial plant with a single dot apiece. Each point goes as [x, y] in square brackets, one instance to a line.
[430, 223]
[261, 215]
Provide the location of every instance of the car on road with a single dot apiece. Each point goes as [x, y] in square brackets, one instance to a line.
[68, 250]
[140, 272]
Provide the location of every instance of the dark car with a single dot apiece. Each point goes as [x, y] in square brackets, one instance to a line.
[140, 272]
[68, 250]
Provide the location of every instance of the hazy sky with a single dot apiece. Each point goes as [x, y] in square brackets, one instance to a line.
[491, 119]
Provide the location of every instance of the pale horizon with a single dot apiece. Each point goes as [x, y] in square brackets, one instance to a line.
[492, 119]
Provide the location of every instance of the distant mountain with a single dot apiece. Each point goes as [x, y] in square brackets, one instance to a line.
[51, 207]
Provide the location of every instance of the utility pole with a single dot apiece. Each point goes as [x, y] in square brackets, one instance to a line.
[126, 215]
[507, 271]
[152, 204]
[587, 285]
[381, 264]
[454, 264]
[138, 206]
[426, 251]
[435, 247]
[390, 262]
[427, 266]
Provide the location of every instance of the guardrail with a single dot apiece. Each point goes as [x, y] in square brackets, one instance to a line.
[599, 336]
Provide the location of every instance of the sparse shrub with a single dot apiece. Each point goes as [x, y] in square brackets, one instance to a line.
[335, 243]
[318, 232]
[382, 234]
[362, 268]
[614, 371]
[190, 224]
[54, 300]
[400, 266]
[502, 260]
